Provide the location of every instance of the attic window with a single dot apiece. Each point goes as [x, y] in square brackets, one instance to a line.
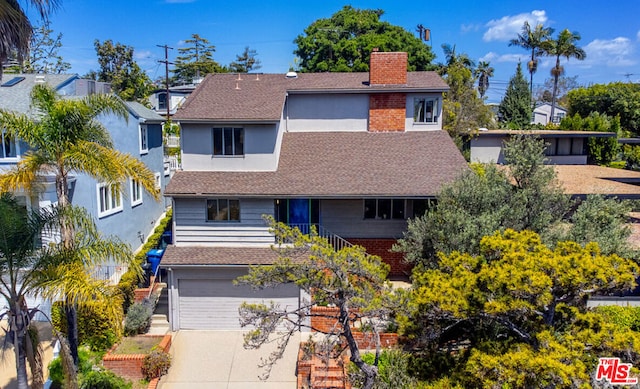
[12, 81]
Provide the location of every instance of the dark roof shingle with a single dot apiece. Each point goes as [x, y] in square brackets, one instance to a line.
[260, 97]
[194, 256]
[344, 164]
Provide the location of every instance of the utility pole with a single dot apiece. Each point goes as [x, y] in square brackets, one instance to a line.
[166, 79]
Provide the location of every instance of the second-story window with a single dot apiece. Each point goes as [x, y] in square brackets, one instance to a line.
[425, 110]
[144, 139]
[109, 200]
[228, 141]
[384, 209]
[8, 147]
[162, 101]
[136, 193]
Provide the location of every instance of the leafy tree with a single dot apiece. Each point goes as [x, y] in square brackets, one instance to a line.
[347, 278]
[613, 99]
[463, 111]
[515, 107]
[16, 28]
[245, 62]
[195, 60]
[601, 151]
[43, 55]
[531, 39]
[118, 67]
[563, 46]
[478, 204]
[521, 304]
[343, 42]
[67, 139]
[483, 72]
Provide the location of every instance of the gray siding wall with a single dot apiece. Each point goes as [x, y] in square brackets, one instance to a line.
[260, 145]
[345, 218]
[192, 229]
[309, 113]
[132, 219]
[487, 150]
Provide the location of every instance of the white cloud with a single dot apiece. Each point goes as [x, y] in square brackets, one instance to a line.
[503, 58]
[613, 52]
[143, 54]
[508, 27]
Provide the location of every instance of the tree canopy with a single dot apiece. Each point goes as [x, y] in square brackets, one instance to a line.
[613, 99]
[195, 60]
[118, 67]
[245, 62]
[343, 42]
[521, 304]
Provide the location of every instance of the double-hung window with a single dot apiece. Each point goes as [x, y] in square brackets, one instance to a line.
[223, 210]
[228, 141]
[144, 139]
[8, 145]
[109, 200]
[425, 110]
[136, 193]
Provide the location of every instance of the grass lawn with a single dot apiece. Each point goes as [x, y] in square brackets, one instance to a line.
[136, 345]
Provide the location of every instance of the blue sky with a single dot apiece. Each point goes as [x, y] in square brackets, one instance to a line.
[610, 31]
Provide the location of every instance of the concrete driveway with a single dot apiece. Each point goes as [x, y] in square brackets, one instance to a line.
[217, 359]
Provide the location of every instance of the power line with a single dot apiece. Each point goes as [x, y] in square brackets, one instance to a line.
[166, 77]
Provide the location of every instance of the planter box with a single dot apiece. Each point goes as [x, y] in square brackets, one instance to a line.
[129, 366]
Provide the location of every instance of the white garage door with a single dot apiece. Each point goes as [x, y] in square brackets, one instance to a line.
[213, 303]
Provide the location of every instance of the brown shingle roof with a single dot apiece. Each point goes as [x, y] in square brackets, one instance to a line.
[174, 256]
[343, 164]
[591, 179]
[261, 96]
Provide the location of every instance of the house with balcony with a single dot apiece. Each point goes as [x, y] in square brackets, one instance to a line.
[354, 154]
[131, 215]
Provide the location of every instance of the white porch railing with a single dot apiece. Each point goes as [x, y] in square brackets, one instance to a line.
[172, 141]
[336, 241]
[111, 273]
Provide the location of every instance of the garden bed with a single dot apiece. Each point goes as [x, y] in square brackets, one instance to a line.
[129, 366]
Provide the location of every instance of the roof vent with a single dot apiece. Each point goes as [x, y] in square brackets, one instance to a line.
[12, 81]
[291, 75]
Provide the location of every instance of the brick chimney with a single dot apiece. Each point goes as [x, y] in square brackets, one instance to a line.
[387, 68]
[387, 111]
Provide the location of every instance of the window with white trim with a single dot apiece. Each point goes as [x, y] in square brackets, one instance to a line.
[228, 141]
[425, 110]
[136, 192]
[8, 146]
[144, 139]
[158, 178]
[109, 200]
[223, 210]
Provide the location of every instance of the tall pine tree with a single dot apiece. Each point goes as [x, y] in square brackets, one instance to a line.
[515, 107]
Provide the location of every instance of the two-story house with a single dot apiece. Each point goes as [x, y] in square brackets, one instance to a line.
[130, 216]
[355, 154]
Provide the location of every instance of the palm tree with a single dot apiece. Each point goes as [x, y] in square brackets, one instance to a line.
[66, 139]
[15, 28]
[563, 46]
[453, 58]
[532, 40]
[484, 71]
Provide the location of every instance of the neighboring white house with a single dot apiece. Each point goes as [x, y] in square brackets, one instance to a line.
[542, 114]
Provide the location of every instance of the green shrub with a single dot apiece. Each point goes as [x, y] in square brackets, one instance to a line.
[155, 364]
[96, 328]
[393, 368]
[131, 279]
[56, 372]
[622, 317]
[138, 319]
[104, 379]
